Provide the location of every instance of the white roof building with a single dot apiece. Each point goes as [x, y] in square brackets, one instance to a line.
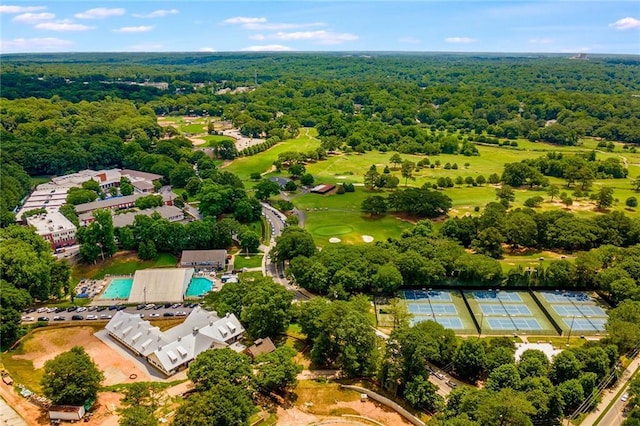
[160, 285]
[55, 228]
[173, 350]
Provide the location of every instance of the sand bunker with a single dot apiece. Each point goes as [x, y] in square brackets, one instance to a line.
[367, 238]
[334, 240]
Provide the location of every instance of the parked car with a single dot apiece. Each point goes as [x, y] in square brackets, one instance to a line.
[102, 308]
[169, 314]
[77, 317]
[59, 318]
[624, 397]
[92, 317]
[27, 318]
[43, 318]
[81, 309]
[452, 384]
[120, 308]
[92, 308]
[71, 308]
[41, 310]
[106, 316]
[439, 375]
[140, 306]
[158, 307]
[181, 314]
[154, 315]
[175, 305]
[149, 306]
[113, 307]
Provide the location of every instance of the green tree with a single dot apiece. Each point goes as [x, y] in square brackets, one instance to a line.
[306, 179]
[266, 308]
[77, 196]
[71, 378]
[631, 202]
[387, 278]
[507, 407]
[553, 191]
[504, 376]
[292, 243]
[395, 159]
[505, 194]
[126, 188]
[565, 367]
[489, 241]
[470, 360]
[422, 394]
[215, 367]
[374, 205]
[265, 189]
[249, 241]
[407, 171]
[521, 230]
[603, 197]
[623, 325]
[371, 178]
[277, 371]
[98, 238]
[221, 405]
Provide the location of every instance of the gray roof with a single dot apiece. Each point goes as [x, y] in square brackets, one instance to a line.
[167, 212]
[200, 331]
[115, 201]
[203, 257]
[282, 181]
[139, 174]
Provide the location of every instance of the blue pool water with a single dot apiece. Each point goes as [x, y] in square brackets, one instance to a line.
[119, 288]
[198, 287]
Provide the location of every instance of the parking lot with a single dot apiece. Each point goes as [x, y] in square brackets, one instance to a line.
[105, 313]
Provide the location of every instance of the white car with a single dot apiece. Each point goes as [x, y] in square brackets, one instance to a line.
[81, 309]
[28, 319]
[181, 314]
[154, 315]
[624, 397]
[41, 310]
[105, 316]
[92, 317]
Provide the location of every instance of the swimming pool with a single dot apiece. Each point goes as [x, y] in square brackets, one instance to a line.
[199, 286]
[119, 288]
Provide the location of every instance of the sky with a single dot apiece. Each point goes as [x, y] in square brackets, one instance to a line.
[230, 26]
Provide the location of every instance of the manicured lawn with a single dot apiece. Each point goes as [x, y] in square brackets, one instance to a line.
[260, 163]
[351, 226]
[240, 261]
[121, 265]
[531, 259]
[193, 128]
[213, 140]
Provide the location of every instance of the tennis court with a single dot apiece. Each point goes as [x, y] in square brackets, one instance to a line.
[586, 310]
[502, 309]
[574, 311]
[503, 296]
[528, 324]
[501, 312]
[433, 295]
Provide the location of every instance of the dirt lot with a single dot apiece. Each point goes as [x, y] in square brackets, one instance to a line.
[46, 344]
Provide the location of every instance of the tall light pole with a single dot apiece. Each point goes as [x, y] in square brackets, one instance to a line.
[481, 321]
[570, 329]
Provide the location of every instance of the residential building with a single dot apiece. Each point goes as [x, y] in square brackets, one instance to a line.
[116, 203]
[171, 213]
[173, 350]
[259, 347]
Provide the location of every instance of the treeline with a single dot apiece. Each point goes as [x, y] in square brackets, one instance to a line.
[581, 168]
[16, 184]
[29, 272]
[553, 230]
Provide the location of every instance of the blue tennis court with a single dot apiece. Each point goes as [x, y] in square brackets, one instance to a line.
[565, 297]
[598, 323]
[571, 310]
[453, 323]
[511, 323]
[434, 295]
[499, 309]
[444, 309]
[502, 296]
[418, 308]
[583, 324]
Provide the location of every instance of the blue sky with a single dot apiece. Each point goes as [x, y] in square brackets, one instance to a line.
[447, 26]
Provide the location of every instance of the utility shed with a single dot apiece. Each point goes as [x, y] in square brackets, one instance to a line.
[66, 412]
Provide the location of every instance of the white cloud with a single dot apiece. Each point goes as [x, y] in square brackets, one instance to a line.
[33, 18]
[459, 40]
[157, 13]
[321, 37]
[409, 40]
[280, 26]
[65, 25]
[20, 9]
[206, 49]
[100, 13]
[149, 47]
[244, 20]
[627, 23]
[541, 41]
[138, 29]
[34, 44]
[267, 48]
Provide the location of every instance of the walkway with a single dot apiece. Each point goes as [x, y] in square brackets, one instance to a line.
[8, 416]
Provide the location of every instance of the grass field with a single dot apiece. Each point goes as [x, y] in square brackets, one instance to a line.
[213, 140]
[240, 261]
[119, 265]
[532, 259]
[260, 163]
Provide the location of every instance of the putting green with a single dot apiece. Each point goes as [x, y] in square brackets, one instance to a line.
[333, 230]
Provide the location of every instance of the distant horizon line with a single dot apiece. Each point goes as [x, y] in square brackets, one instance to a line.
[247, 52]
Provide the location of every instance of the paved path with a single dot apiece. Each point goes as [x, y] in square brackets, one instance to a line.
[613, 416]
[8, 416]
